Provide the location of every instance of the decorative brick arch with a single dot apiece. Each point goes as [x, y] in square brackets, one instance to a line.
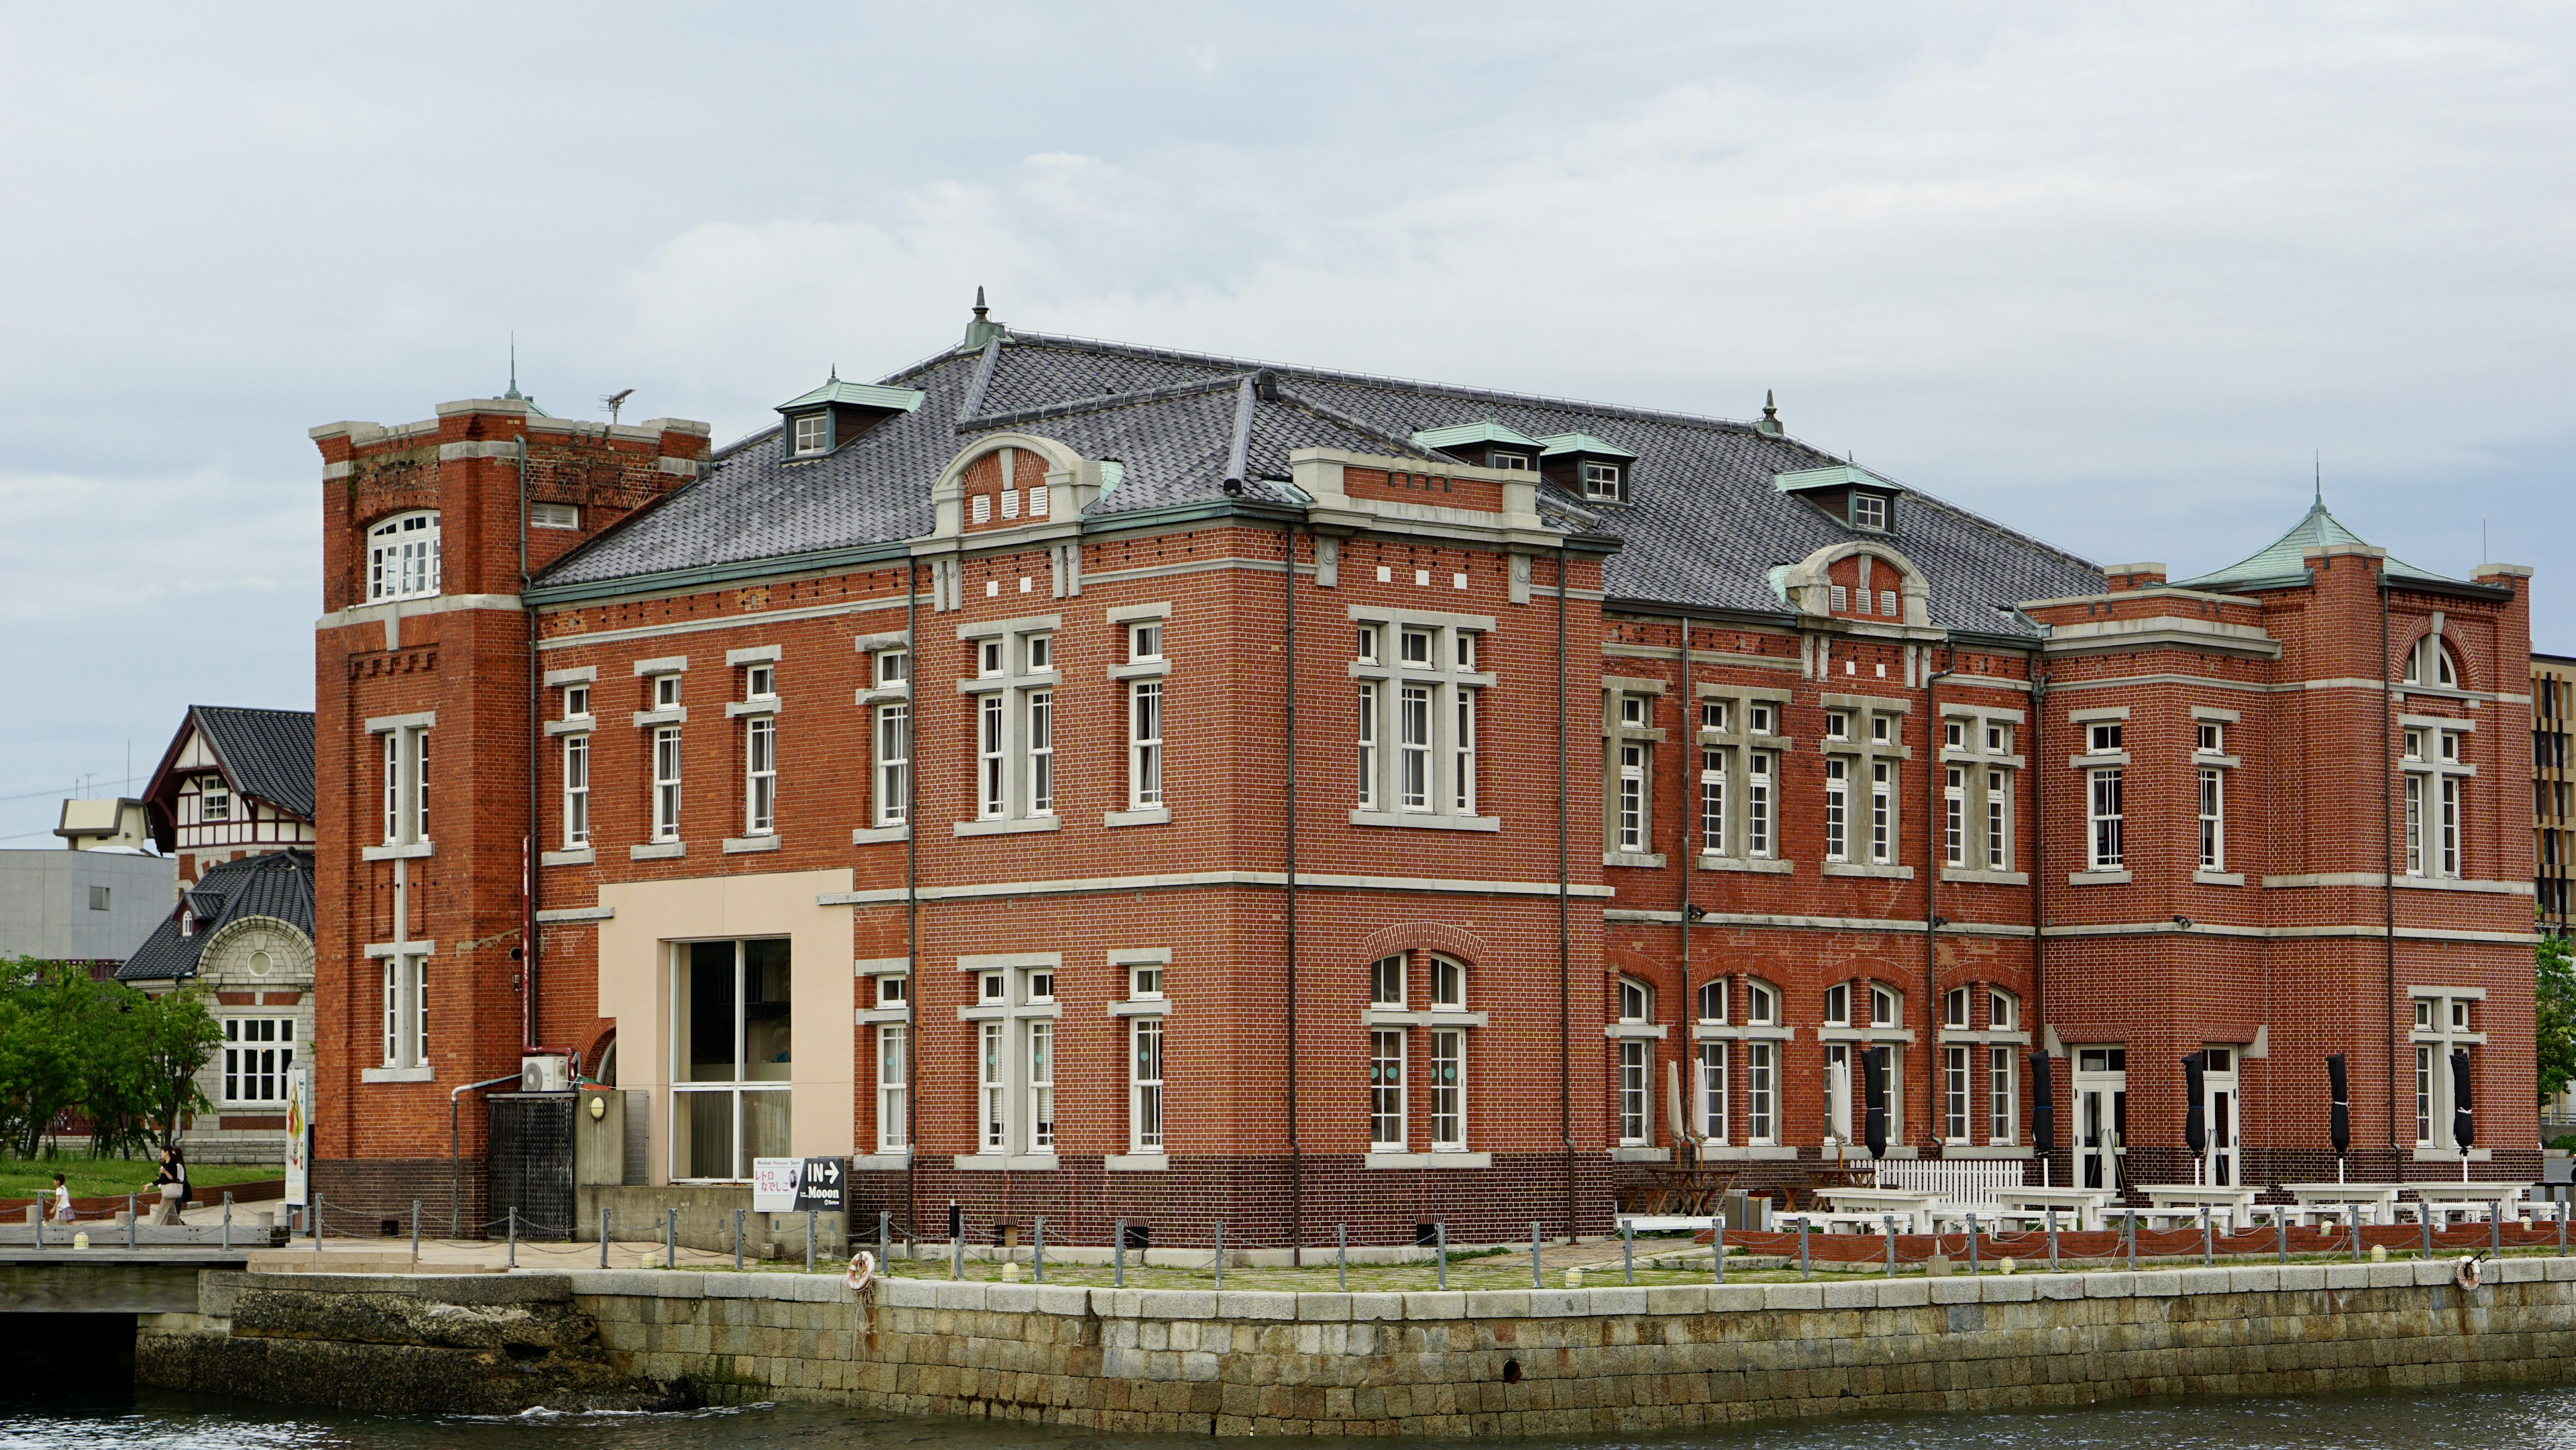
[1806, 587]
[2460, 658]
[1435, 936]
[1629, 962]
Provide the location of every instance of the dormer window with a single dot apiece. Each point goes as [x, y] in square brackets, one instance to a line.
[1604, 481]
[1868, 511]
[838, 412]
[1508, 462]
[402, 556]
[813, 433]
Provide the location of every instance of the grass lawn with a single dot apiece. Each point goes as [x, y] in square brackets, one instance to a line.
[102, 1177]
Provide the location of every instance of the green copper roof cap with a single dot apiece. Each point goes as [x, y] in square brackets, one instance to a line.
[2283, 562]
[1833, 477]
[1559, 445]
[1487, 431]
[865, 395]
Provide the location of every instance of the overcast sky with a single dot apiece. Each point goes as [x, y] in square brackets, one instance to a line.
[2113, 275]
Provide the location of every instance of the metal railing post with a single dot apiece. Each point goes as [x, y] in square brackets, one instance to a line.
[1717, 1243]
[130, 1218]
[1888, 1223]
[2356, 1232]
[2427, 1208]
[1220, 1254]
[1118, 1256]
[737, 1238]
[809, 1240]
[1972, 1249]
[2285, 1236]
[2131, 1225]
[1440, 1247]
[2562, 1228]
[514, 1236]
[1537, 1279]
[315, 1213]
[885, 1240]
[1628, 1248]
[2052, 1238]
[1342, 1255]
[1037, 1251]
[2207, 1257]
[670, 1238]
[603, 1238]
[1804, 1269]
[2495, 1227]
[228, 1226]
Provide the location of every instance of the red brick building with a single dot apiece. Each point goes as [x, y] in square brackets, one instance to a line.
[1080, 779]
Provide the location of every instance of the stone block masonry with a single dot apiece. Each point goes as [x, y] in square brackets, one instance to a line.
[1536, 1362]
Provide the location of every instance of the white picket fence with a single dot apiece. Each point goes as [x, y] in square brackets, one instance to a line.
[1957, 1180]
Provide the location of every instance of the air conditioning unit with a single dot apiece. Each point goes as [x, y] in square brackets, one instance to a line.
[547, 1074]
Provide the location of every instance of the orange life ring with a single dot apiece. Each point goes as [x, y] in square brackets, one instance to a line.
[862, 1272]
[2465, 1273]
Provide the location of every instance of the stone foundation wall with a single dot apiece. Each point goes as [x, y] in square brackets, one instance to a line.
[1585, 1360]
[1496, 1363]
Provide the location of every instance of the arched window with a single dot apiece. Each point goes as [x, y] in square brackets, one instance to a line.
[2003, 1010]
[2432, 651]
[1712, 1001]
[402, 556]
[1448, 985]
[1886, 1008]
[1636, 1001]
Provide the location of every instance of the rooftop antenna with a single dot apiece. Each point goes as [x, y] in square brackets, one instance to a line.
[616, 401]
[2321, 478]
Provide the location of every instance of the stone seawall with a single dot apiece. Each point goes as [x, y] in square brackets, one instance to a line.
[1547, 1361]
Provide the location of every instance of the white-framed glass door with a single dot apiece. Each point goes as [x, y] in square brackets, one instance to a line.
[2222, 1111]
[730, 1062]
[2101, 1117]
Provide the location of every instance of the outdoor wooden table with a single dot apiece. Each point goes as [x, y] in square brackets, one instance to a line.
[2507, 1197]
[1676, 1192]
[2236, 1205]
[2376, 1200]
[1914, 1207]
[2078, 1208]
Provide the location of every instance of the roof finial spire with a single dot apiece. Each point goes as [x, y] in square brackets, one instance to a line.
[2321, 478]
[514, 365]
[980, 309]
[1769, 427]
[983, 331]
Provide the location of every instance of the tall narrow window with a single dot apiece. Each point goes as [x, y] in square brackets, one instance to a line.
[1757, 804]
[1882, 812]
[1413, 744]
[1712, 802]
[1632, 796]
[406, 1010]
[1954, 809]
[402, 557]
[1712, 1091]
[1041, 752]
[2213, 837]
[666, 783]
[992, 1091]
[1634, 1072]
[1759, 1090]
[1837, 808]
[1386, 1090]
[1041, 1084]
[1144, 744]
[993, 765]
[1462, 749]
[2001, 1097]
[2107, 819]
[1367, 794]
[2424, 1095]
[1954, 1094]
[1145, 1086]
[894, 763]
[1449, 1091]
[2414, 825]
[1998, 820]
[760, 776]
[576, 785]
[2450, 825]
[893, 1081]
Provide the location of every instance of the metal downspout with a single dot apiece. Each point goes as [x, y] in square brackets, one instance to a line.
[536, 732]
[2388, 852]
[1932, 843]
[912, 907]
[1564, 925]
[2039, 866]
[1288, 725]
[1682, 856]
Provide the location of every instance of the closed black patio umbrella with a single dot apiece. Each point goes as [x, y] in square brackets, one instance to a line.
[2195, 1124]
[2338, 1109]
[1873, 1073]
[2043, 1113]
[2464, 1133]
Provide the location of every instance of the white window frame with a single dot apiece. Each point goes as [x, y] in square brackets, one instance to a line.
[2437, 770]
[402, 556]
[813, 433]
[893, 747]
[576, 791]
[667, 765]
[1447, 1066]
[2003, 1098]
[1838, 808]
[405, 1004]
[1423, 698]
[258, 1052]
[1039, 738]
[1018, 725]
[1714, 829]
[214, 800]
[1636, 1093]
[1711, 1090]
[760, 776]
[1882, 812]
[406, 785]
[1761, 1094]
[2106, 819]
[1954, 808]
[1606, 481]
[1144, 744]
[1387, 1068]
[894, 1084]
[2211, 812]
[1956, 1098]
[1868, 511]
[1145, 1083]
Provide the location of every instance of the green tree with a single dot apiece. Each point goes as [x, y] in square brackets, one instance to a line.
[2554, 1011]
[141, 1082]
[48, 1032]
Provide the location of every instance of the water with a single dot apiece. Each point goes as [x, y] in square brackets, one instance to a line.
[2526, 1419]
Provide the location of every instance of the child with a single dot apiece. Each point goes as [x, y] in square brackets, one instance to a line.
[62, 1200]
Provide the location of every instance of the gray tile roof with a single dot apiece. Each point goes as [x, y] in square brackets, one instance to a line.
[278, 885]
[1703, 527]
[266, 753]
